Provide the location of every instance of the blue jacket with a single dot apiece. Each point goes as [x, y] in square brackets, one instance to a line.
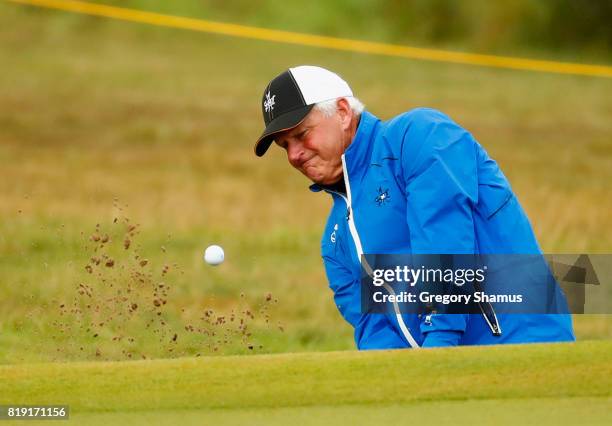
[420, 183]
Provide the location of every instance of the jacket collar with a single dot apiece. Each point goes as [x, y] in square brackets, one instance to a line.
[357, 155]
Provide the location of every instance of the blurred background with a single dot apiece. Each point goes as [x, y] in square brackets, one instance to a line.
[116, 134]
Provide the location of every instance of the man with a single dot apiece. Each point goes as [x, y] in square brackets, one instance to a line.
[418, 183]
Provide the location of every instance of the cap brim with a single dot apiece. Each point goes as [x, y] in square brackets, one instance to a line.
[281, 123]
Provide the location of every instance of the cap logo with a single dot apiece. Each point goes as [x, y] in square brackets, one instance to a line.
[269, 102]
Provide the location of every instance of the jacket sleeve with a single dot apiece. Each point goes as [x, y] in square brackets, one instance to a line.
[344, 285]
[439, 162]
[371, 331]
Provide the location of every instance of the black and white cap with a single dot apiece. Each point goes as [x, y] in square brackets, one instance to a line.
[290, 97]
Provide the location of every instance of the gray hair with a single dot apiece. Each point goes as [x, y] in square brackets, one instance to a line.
[328, 108]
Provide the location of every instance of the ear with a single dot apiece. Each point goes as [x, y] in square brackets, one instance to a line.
[345, 113]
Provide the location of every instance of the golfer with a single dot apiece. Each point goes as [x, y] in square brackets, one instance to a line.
[418, 183]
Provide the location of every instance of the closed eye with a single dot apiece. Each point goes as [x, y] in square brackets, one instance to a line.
[301, 135]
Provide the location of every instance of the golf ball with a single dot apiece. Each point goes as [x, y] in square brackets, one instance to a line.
[214, 255]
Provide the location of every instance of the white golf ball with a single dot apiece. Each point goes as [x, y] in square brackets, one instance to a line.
[214, 255]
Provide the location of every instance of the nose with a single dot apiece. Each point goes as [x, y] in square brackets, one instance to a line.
[295, 153]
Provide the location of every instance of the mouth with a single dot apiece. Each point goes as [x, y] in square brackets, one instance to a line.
[306, 164]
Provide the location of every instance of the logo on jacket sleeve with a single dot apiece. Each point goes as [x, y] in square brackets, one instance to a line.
[383, 196]
[332, 237]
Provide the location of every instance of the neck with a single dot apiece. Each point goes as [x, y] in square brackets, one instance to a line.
[349, 136]
[352, 130]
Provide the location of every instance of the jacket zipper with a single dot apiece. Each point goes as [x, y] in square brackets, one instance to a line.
[353, 229]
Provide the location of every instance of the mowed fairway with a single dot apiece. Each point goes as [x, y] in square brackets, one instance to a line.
[551, 384]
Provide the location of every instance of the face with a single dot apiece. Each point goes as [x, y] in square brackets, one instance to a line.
[316, 145]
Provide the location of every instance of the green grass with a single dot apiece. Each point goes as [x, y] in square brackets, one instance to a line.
[103, 119]
[558, 29]
[479, 384]
[558, 411]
